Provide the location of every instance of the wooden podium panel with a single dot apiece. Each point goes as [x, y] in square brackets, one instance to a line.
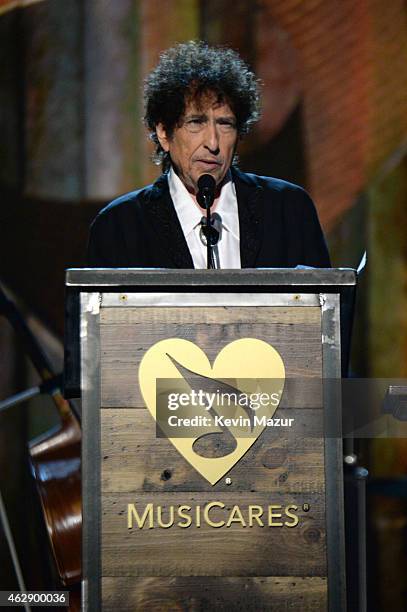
[268, 534]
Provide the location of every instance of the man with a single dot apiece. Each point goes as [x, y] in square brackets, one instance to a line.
[199, 101]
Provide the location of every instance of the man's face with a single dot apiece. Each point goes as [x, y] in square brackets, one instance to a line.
[203, 143]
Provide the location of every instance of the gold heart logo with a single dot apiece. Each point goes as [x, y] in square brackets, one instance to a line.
[250, 363]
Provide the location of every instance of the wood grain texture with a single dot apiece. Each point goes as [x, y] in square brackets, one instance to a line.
[190, 594]
[209, 551]
[134, 459]
[281, 315]
[127, 333]
[204, 568]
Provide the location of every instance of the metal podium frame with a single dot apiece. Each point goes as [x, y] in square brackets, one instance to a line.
[90, 289]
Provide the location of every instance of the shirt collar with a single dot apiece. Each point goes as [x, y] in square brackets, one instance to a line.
[190, 216]
[187, 211]
[227, 206]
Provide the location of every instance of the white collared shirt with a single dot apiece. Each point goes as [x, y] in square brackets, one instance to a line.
[190, 217]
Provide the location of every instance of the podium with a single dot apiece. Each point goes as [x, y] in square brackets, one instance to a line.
[243, 513]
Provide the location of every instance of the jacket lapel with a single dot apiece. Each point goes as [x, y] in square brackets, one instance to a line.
[250, 208]
[170, 238]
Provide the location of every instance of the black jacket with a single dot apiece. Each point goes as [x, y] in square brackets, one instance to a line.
[279, 228]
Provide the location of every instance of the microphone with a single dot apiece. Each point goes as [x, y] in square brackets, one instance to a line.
[205, 198]
[206, 191]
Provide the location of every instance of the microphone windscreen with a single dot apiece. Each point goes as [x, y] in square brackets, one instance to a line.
[206, 182]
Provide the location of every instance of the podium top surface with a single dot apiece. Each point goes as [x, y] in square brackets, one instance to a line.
[119, 277]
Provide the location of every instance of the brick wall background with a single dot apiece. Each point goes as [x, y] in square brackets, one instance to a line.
[353, 61]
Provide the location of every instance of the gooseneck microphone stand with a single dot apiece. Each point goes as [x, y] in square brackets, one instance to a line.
[205, 197]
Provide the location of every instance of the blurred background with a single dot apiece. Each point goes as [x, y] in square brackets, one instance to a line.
[334, 120]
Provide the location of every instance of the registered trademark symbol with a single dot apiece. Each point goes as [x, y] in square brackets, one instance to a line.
[305, 507]
[228, 481]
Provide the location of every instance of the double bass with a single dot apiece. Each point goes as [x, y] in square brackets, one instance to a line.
[55, 463]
